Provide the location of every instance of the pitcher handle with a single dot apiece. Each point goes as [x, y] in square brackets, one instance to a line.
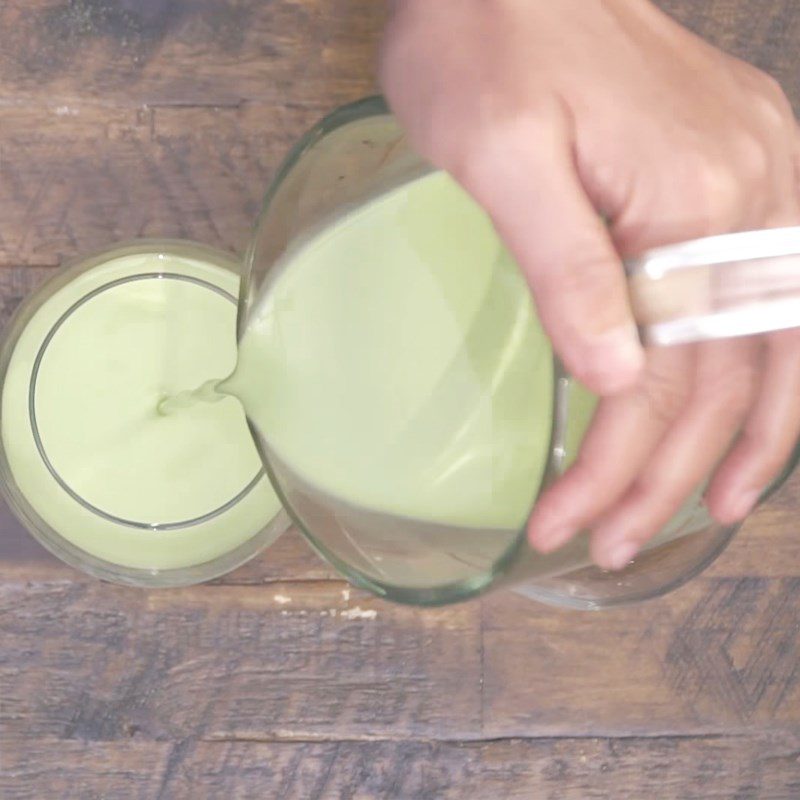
[717, 287]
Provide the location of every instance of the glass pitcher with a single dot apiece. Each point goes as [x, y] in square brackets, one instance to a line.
[352, 157]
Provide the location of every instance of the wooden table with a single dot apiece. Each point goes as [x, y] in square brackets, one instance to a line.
[126, 118]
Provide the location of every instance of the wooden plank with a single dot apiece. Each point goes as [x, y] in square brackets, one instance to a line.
[290, 559]
[108, 692]
[300, 660]
[208, 52]
[84, 164]
[768, 545]
[221, 52]
[90, 661]
[218, 52]
[712, 768]
[92, 177]
[719, 656]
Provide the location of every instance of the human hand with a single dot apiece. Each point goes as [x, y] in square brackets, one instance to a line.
[553, 113]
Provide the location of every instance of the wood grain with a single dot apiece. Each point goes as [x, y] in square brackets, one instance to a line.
[308, 660]
[187, 52]
[72, 183]
[767, 547]
[223, 52]
[126, 118]
[704, 768]
[719, 656]
[16, 283]
[314, 659]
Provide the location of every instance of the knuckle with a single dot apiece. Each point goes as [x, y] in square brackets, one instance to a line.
[665, 403]
[771, 85]
[717, 197]
[753, 158]
[661, 491]
[771, 103]
[590, 475]
[467, 162]
[733, 400]
[588, 288]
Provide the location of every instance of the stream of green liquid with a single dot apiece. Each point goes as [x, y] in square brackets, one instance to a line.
[207, 393]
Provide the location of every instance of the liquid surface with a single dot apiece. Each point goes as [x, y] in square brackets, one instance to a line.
[85, 442]
[396, 364]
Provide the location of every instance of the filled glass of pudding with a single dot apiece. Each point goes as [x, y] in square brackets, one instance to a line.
[90, 462]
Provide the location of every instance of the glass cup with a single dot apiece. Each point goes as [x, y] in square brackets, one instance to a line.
[69, 341]
[355, 155]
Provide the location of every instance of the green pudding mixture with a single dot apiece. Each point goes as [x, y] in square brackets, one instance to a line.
[396, 363]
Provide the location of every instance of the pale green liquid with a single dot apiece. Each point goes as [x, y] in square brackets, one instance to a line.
[134, 481]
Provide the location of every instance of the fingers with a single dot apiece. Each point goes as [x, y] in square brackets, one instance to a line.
[625, 504]
[527, 180]
[768, 437]
[625, 431]
[724, 386]
[772, 428]
[637, 468]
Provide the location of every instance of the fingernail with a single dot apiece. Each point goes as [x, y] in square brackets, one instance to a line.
[743, 504]
[620, 555]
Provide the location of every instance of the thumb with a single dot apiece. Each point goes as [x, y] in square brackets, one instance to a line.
[528, 183]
